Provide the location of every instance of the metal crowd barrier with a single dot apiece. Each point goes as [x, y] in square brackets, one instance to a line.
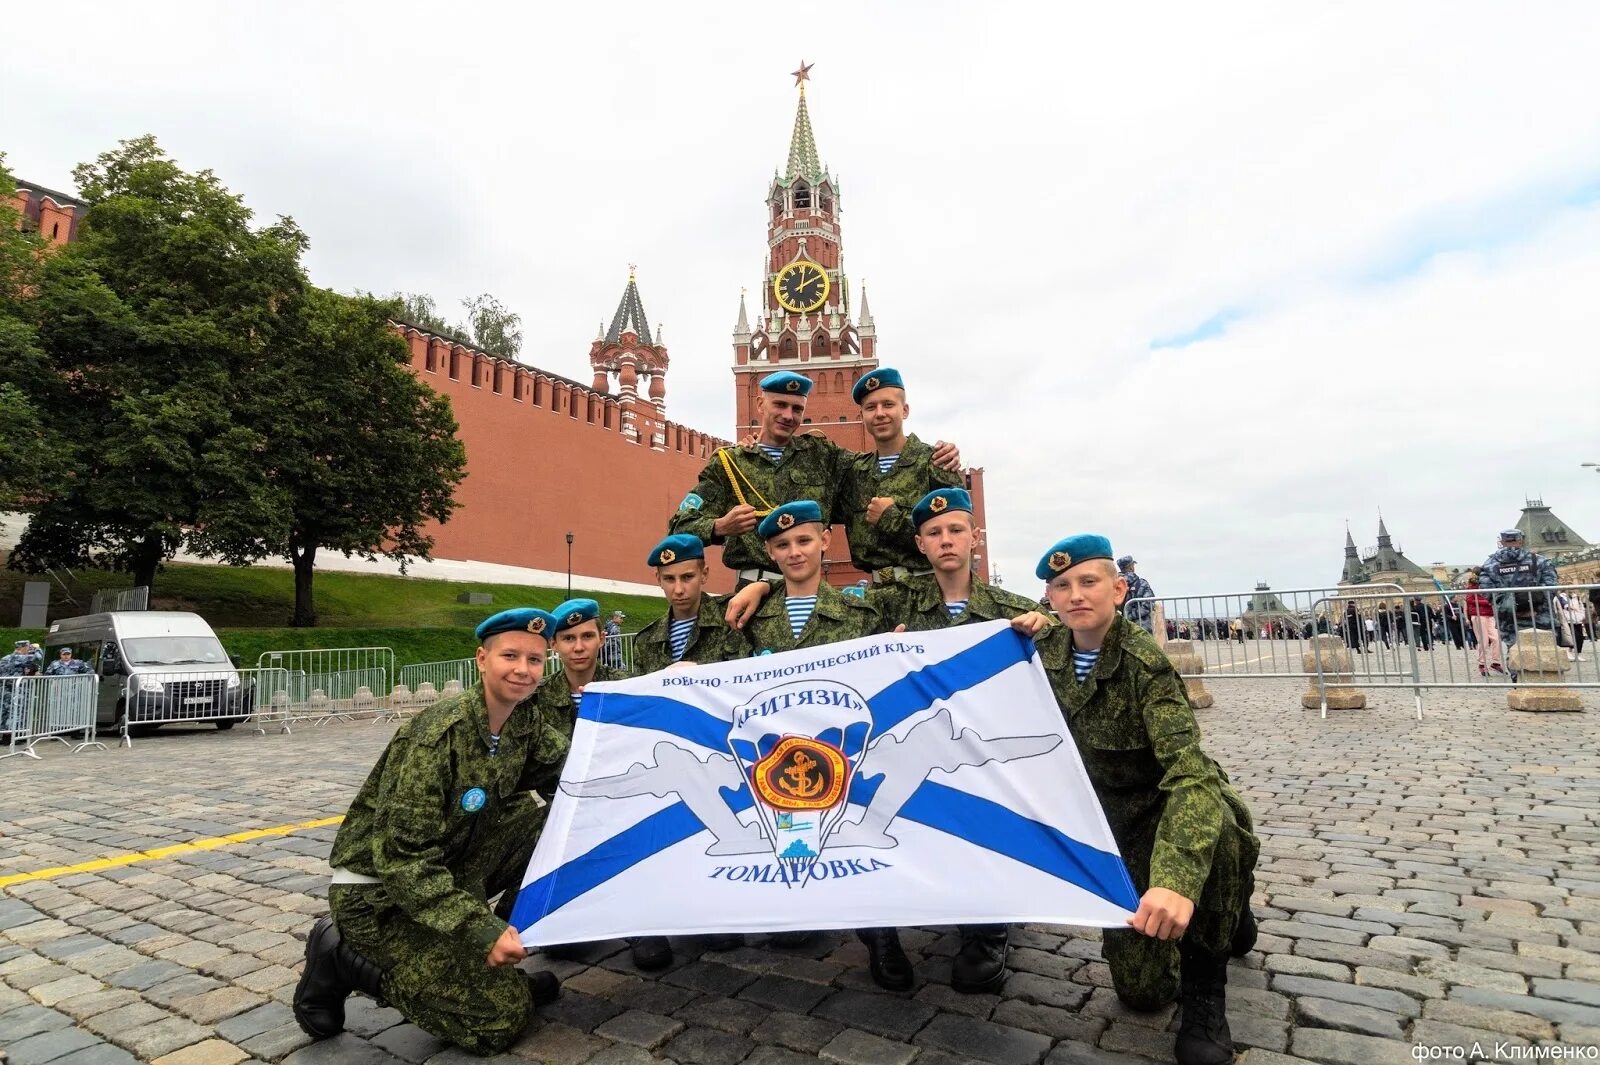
[1469, 638]
[617, 651]
[1260, 634]
[341, 683]
[223, 696]
[34, 709]
[421, 684]
[1382, 636]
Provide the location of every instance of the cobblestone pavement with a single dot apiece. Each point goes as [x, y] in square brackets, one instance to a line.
[1432, 884]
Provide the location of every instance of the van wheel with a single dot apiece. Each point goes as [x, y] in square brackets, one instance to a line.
[224, 726]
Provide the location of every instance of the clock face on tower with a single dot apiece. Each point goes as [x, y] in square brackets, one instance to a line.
[801, 286]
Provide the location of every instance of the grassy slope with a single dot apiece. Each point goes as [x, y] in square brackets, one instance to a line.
[419, 618]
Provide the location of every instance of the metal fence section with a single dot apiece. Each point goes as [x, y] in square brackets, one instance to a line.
[1533, 638]
[120, 599]
[224, 697]
[617, 651]
[325, 684]
[34, 709]
[421, 684]
[1260, 634]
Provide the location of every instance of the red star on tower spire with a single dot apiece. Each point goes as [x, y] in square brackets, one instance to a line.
[802, 75]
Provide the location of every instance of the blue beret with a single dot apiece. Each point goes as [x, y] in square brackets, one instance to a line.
[1064, 554]
[1125, 561]
[787, 382]
[786, 517]
[679, 547]
[519, 619]
[882, 377]
[940, 501]
[575, 612]
[1511, 534]
[22, 643]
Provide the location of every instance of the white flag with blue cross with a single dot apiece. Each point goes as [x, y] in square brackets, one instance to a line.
[907, 779]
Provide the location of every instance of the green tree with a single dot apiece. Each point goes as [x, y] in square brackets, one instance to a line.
[421, 311]
[370, 455]
[152, 324]
[494, 328]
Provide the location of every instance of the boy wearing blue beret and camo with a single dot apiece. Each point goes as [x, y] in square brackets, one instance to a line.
[1184, 833]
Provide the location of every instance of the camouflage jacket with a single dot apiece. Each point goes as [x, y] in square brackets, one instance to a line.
[1167, 802]
[710, 641]
[17, 665]
[1138, 588]
[813, 467]
[917, 603]
[434, 788]
[837, 617]
[892, 541]
[59, 668]
[1517, 567]
[554, 696]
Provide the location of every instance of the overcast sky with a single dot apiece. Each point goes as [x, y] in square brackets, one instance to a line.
[1208, 278]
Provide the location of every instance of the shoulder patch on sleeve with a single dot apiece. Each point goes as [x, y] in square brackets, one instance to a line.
[691, 502]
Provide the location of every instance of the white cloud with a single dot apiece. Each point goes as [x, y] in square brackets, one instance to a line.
[1035, 195]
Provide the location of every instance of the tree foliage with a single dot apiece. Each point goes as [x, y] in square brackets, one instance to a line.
[27, 452]
[200, 392]
[491, 326]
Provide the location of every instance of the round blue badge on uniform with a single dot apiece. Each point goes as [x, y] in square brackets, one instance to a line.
[473, 799]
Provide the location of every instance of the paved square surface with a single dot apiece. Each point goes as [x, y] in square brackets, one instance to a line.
[1424, 887]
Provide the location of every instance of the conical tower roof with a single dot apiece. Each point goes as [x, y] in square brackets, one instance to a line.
[803, 159]
[1546, 534]
[630, 316]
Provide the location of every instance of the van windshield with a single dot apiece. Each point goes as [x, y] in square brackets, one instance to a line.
[175, 651]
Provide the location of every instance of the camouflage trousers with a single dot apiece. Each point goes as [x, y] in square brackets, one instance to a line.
[1146, 971]
[441, 984]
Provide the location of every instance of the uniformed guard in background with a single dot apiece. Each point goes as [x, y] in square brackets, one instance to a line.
[444, 822]
[886, 483]
[741, 485]
[1185, 834]
[1138, 588]
[1514, 566]
[65, 665]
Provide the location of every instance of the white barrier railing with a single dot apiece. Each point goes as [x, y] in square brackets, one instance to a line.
[223, 696]
[33, 709]
[421, 684]
[322, 685]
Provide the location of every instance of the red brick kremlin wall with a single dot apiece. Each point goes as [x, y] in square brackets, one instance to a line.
[547, 455]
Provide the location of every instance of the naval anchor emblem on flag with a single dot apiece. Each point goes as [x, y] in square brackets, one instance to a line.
[758, 796]
[799, 746]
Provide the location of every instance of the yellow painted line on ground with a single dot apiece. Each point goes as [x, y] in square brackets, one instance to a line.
[204, 844]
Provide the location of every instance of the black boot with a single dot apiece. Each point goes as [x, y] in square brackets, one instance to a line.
[891, 969]
[980, 965]
[543, 987]
[1203, 1035]
[1244, 933]
[651, 952]
[332, 971]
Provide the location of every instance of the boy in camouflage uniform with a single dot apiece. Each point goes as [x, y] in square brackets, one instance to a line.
[443, 823]
[1184, 833]
[885, 484]
[578, 643]
[692, 631]
[949, 595]
[742, 484]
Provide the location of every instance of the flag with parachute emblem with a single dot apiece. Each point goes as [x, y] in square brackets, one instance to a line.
[905, 779]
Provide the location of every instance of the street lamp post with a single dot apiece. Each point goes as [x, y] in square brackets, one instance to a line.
[569, 565]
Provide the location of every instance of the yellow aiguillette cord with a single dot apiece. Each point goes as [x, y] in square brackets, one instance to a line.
[735, 476]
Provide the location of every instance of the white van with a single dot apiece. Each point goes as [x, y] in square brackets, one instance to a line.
[169, 660]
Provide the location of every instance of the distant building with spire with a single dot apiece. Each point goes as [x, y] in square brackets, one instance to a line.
[1384, 564]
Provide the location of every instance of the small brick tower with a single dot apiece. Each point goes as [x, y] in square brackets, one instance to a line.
[628, 351]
